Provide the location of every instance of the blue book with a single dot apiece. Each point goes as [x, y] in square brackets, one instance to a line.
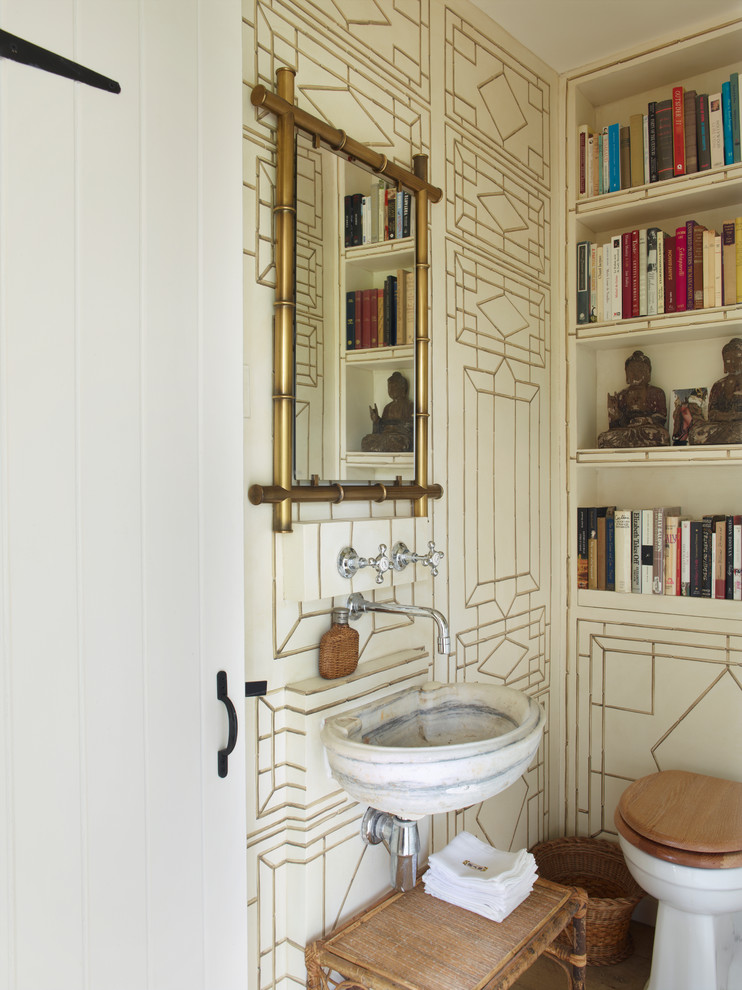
[614, 159]
[734, 103]
[726, 118]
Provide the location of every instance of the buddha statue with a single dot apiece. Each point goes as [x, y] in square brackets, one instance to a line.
[724, 424]
[637, 416]
[392, 430]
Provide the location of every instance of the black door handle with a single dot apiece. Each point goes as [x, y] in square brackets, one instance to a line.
[221, 693]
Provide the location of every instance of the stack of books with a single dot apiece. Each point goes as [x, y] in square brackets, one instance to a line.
[383, 215]
[381, 317]
[689, 132]
[659, 552]
[651, 271]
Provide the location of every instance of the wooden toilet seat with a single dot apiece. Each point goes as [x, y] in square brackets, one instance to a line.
[685, 818]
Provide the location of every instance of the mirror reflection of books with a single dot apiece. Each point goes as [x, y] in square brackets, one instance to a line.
[689, 408]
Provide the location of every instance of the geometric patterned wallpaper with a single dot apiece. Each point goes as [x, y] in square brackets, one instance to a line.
[406, 77]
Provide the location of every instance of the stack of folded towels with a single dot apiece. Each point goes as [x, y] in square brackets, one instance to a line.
[480, 878]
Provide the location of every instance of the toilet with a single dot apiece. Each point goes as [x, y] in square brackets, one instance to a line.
[681, 836]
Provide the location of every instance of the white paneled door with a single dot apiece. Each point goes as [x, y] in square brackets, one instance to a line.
[122, 853]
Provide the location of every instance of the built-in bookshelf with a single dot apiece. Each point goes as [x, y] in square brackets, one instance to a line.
[376, 303]
[683, 347]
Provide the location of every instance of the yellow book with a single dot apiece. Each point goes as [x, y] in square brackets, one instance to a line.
[738, 242]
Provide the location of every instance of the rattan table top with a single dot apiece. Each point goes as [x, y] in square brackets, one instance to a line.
[414, 941]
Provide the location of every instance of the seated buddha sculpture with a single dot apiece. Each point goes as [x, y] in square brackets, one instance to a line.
[724, 424]
[392, 431]
[637, 416]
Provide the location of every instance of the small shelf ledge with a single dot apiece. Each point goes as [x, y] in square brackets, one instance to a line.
[679, 605]
[718, 322]
[700, 456]
[387, 355]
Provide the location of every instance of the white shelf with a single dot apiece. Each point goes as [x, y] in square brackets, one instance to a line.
[382, 357]
[721, 322]
[675, 605]
[700, 456]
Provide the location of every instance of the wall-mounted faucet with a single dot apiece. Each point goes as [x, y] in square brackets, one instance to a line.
[401, 557]
[349, 562]
[358, 605]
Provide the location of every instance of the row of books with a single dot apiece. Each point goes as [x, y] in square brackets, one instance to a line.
[659, 551]
[650, 271]
[384, 215]
[381, 317]
[689, 133]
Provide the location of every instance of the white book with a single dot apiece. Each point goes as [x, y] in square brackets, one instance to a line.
[647, 550]
[660, 271]
[737, 562]
[709, 265]
[597, 250]
[616, 295]
[622, 539]
[645, 123]
[607, 269]
[685, 557]
[652, 272]
[366, 219]
[593, 310]
[643, 272]
[716, 130]
[672, 532]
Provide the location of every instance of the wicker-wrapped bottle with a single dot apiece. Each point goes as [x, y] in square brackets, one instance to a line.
[338, 648]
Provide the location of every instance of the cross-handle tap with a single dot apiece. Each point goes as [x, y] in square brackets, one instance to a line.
[349, 563]
[401, 557]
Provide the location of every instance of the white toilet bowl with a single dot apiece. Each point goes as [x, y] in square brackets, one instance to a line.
[681, 836]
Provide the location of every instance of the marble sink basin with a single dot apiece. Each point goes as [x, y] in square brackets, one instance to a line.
[435, 748]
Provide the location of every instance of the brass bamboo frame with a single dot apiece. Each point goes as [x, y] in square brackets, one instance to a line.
[282, 493]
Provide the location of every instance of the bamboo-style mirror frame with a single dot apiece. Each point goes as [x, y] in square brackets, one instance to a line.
[283, 491]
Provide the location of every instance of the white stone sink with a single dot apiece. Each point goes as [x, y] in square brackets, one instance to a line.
[435, 748]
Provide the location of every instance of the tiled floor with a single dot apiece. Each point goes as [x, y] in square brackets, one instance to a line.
[631, 974]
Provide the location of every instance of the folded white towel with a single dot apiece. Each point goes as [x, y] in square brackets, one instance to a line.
[480, 878]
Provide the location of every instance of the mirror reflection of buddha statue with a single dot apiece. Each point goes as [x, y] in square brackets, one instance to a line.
[724, 424]
[637, 416]
[393, 429]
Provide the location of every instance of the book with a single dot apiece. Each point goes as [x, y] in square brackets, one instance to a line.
[691, 138]
[661, 271]
[652, 271]
[716, 135]
[643, 302]
[672, 527]
[669, 273]
[695, 558]
[374, 318]
[625, 154]
[738, 244]
[708, 269]
[358, 320]
[407, 215]
[615, 278]
[681, 275]
[717, 270]
[685, 557]
[401, 305]
[610, 549]
[703, 139]
[647, 551]
[707, 577]
[664, 140]
[592, 548]
[614, 158]
[622, 547]
[735, 110]
[601, 513]
[726, 123]
[737, 564]
[350, 320]
[593, 283]
[697, 266]
[636, 148]
[729, 264]
[678, 131]
[636, 551]
[652, 140]
[366, 317]
[605, 161]
[729, 559]
[596, 283]
[589, 160]
[607, 276]
[635, 279]
[645, 137]
[660, 515]
[582, 535]
[582, 135]
[409, 298]
[583, 282]
[626, 308]
[719, 554]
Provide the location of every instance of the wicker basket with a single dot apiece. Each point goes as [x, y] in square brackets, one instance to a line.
[598, 866]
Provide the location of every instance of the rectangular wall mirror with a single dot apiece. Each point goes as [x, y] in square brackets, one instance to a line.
[351, 342]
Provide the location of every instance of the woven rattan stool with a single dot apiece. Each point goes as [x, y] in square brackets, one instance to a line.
[414, 941]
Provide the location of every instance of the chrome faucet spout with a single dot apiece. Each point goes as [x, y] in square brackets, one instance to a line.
[358, 604]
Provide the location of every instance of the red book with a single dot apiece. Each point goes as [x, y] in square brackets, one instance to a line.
[678, 131]
[669, 274]
[374, 336]
[634, 273]
[366, 317]
[359, 320]
[720, 544]
[626, 276]
[681, 270]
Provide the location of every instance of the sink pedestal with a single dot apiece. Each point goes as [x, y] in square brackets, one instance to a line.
[401, 838]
